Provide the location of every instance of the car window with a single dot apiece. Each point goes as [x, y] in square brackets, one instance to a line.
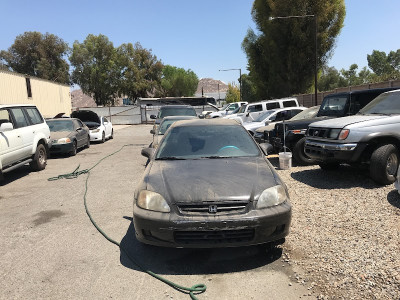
[273, 105]
[263, 116]
[191, 142]
[307, 113]
[19, 117]
[292, 113]
[290, 103]
[60, 125]
[105, 120]
[34, 115]
[384, 104]
[5, 116]
[80, 123]
[175, 111]
[255, 108]
[233, 107]
[333, 106]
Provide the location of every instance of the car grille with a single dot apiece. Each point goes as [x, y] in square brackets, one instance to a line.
[214, 236]
[213, 208]
[318, 132]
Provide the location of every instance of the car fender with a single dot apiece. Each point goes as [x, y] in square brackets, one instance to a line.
[40, 137]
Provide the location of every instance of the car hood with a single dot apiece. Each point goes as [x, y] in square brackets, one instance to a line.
[86, 116]
[210, 179]
[346, 121]
[92, 125]
[253, 125]
[60, 134]
[303, 123]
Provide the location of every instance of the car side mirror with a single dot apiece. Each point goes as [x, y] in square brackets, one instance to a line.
[7, 126]
[148, 152]
[152, 131]
[248, 114]
[266, 148]
[153, 117]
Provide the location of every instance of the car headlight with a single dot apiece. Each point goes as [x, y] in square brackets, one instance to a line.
[333, 133]
[272, 197]
[95, 130]
[152, 201]
[64, 141]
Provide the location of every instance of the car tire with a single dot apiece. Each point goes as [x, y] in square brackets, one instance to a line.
[88, 142]
[384, 163]
[112, 134]
[103, 137]
[39, 159]
[329, 166]
[74, 149]
[300, 156]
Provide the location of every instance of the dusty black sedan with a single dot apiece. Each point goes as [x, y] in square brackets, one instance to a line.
[210, 185]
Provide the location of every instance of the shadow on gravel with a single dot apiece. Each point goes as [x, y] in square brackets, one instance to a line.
[394, 198]
[171, 261]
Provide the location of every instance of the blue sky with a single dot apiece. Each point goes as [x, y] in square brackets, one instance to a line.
[204, 36]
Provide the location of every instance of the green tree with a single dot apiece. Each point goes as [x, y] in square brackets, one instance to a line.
[178, 82]
[140, 71]
[233, 94]
[37, 54]
[386, 67]
[248, 89]
[96, 68]
[281, 55]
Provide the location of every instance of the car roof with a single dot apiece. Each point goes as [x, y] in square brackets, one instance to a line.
[16, 105]
[179, 118]
[206, 122]
[61, 119]
[175, 106]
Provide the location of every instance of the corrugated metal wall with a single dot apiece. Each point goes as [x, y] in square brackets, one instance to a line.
[51, 98]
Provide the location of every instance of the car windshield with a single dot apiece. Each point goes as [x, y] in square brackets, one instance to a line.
[60, 125]
[386, 104]
[165, 124]
[263, 116]
[208, 141]
[224, 107]
[236, 110]
[306, 114]
[175, 111]
[333, 106]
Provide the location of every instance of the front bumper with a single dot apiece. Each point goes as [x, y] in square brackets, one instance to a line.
[334, 152]
[61, 148]
[95, 136]
[212, 231]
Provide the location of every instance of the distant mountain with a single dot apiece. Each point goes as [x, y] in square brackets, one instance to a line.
[210, 85]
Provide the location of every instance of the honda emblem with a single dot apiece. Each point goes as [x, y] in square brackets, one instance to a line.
[212, 209]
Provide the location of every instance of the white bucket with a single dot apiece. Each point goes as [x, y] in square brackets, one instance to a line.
[285, 160]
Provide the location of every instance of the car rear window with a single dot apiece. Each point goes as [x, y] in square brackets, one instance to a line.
[60, 125]
[174, 111]
[191, 142]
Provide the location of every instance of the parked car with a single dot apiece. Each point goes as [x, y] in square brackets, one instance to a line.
[262, 134]
[164, 125]
[227, 109]
[68, 135]
[372, 137]
[100, 127]
[272, 116]
[24, 138]
[185, 200]
[252, 111]
[333, 106]
[172, 110]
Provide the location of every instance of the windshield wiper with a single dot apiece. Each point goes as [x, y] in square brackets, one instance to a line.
[170, 158]
[215, 156]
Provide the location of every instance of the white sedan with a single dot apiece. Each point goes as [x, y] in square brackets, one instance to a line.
[272, 116]
[100, 127]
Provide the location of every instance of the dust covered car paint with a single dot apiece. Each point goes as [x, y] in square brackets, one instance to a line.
[210, 185]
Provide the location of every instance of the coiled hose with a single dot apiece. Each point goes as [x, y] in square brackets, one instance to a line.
[192, 291]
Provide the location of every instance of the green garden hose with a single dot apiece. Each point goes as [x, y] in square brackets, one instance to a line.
[192, 291]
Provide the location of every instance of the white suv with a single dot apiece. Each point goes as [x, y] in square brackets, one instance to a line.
[24, 138]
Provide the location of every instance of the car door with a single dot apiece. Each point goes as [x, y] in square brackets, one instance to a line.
[11, 144]
[25, 129]
[107, 126]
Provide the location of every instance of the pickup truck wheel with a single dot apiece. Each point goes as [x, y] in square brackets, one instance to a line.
[329, 166]
[384, 163]
[300, 156]
[39, 159]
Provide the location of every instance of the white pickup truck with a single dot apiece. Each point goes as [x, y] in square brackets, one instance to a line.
[24, 138]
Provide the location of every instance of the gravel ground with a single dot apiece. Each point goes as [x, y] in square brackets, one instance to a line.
[345, 233]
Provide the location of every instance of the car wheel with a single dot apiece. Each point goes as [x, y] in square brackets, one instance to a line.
[384, 163]
[112, 134]
[329, 166]
[74, 149]
[103, 137]
[39, 159]
[300, 156]
[88, 142]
